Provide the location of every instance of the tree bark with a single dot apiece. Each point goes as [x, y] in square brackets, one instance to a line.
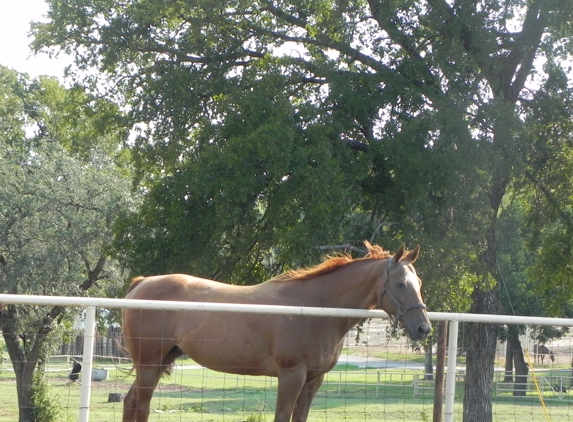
[508, 362]
[440, 367]
[571, 385]
[521, 368]
[480, 360]
[428, 365]
[23, 370]
[25, 357]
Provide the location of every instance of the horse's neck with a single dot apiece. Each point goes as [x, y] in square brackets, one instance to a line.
[351, 286]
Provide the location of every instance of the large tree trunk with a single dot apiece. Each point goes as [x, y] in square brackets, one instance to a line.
[440, 366]
[521, 368]
[480, 360]
[428, 365]
[25, 352]
[508, 362]
[571, 384]
[24, 381]
[24, 371]
[482, 338]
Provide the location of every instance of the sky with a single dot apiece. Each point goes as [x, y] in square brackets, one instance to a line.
[15, 18]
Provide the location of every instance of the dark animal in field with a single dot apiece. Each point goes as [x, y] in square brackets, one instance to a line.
[559, 388]
[539, 352]
[74, 374]
[297, 349]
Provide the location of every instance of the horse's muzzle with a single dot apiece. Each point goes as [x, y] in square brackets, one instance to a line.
[422, 331]
[417, 329]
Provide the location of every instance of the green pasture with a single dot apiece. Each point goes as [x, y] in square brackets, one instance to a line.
[349, 393]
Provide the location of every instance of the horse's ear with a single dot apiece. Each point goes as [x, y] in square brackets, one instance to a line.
[413, 255]
[399, 253]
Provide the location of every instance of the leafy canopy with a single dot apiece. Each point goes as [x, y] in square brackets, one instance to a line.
[267, 128]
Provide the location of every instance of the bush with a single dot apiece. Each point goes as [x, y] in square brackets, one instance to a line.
[45, 407]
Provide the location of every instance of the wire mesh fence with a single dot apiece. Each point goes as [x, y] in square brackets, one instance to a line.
[379, 376]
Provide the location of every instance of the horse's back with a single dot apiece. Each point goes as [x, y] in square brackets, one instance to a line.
[168, 287]
[179, 287]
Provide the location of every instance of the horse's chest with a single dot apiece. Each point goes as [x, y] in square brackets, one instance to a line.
[323, 359]
[318, 354]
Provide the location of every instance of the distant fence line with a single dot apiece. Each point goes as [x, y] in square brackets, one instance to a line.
[556, 386]
[104, 345]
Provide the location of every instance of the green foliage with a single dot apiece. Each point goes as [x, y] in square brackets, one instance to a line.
[57, 200]
[12, 118]
[256, 417]
[45, 407]
[53, 216]
[267, 129]
[548, 202]
[248, 185]
[59, 197]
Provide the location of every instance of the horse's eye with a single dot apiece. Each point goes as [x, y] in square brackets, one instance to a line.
[401, 284]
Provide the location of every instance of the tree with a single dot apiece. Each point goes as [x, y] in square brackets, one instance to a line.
[548, 218]
[262, 182]
[56, 216]
[535, 222]
[421, 109]
[519, 293]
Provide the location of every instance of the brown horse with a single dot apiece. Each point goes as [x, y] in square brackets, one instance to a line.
[297, 349]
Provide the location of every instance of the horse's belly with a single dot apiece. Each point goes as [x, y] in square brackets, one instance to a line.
[229, 343]
[232, 357]
[254, 344]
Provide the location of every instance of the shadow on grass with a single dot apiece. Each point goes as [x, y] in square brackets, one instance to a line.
[251, 399]
[532, 399]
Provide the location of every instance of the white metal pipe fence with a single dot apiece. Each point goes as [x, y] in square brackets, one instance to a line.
[91, 303]
[88, 358]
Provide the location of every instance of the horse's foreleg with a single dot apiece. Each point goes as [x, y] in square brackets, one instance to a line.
[305, 398]
[291, 382]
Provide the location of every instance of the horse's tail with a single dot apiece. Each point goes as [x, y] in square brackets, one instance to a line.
[134, 283]
[124, 350]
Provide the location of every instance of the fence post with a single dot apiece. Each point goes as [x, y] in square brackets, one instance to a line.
[87, 363]
[451, 377]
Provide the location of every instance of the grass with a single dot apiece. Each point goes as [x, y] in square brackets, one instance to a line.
[349, 393]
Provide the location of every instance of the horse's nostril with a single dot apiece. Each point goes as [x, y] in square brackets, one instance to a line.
[423, 330]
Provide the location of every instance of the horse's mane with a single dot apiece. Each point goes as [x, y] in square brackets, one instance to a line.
[332, 262]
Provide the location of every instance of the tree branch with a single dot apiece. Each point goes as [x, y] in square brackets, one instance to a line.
[556, 205]
[522, 57]
[93, 275]
[321, 40]
[385, 16]
[343, 247]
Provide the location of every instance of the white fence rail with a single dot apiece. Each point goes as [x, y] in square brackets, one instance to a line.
[91, 304]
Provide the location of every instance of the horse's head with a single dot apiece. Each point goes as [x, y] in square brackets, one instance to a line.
[400, 294]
